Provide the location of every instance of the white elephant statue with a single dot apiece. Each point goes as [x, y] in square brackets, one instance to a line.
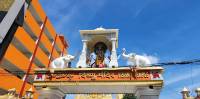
[137, 60]
[62, 62]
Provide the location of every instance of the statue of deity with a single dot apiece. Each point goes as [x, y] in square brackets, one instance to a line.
[100, 50]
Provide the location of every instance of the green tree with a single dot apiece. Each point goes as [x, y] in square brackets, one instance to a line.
[129, 96]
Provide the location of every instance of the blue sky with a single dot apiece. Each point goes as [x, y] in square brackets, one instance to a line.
[166, 29]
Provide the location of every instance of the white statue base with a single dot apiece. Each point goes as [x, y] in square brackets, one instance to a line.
[113, 63]
[82, 61]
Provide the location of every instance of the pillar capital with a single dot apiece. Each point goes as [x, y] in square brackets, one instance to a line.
[84, 40]
[113, 39]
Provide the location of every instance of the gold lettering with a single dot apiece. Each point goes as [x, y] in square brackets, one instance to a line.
[142, 75]
[124, 75]
[87, 75]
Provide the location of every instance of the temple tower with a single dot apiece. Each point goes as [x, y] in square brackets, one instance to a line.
[185, 93]
[91, 39]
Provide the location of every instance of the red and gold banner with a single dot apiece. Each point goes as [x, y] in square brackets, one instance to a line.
[99, 75]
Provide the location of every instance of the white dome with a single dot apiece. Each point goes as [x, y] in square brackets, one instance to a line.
[198, 89]
[184, 89]
[100, 28]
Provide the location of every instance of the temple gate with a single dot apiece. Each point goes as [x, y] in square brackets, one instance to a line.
[99, 77]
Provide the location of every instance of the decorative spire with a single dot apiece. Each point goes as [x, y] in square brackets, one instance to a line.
[198, 93]
[100, 28]
[185, 93]
[185, 89]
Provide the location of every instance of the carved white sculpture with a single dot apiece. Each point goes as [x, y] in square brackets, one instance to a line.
[138, 60]
[61, 62]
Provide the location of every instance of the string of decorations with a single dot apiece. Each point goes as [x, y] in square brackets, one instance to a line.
[185, 62]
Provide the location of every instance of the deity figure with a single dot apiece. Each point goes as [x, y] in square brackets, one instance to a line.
[99, 51]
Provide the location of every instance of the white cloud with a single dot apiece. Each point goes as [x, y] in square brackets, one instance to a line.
[183, 76]
[70, 16]
[141, 8]
[194, 86]
[153, 59]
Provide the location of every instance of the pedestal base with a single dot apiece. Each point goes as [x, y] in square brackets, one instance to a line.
[82, 61]
[113, 62]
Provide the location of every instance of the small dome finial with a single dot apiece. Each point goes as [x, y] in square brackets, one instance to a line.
[100, 28]
[184, 89]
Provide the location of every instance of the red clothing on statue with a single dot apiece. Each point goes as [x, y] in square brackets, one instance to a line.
[101, 66]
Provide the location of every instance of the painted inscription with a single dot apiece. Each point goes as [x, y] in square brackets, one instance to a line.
[96, 76]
